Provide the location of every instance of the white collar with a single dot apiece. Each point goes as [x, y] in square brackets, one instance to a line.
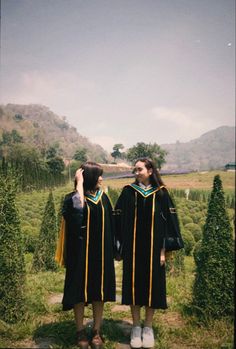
[144, 186]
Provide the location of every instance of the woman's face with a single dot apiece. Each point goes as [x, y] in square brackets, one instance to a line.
[99, 182]
[142, 173]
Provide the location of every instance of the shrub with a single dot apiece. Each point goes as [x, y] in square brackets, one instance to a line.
[188, 241]
[186, 220]
[195, 230]
[12, 265]
[214, 282]
[46, 246]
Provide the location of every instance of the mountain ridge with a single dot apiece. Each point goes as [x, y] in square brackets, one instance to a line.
[41, 127]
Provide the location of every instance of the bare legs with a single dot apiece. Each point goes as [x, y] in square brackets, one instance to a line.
[135, 311]
[97, 315]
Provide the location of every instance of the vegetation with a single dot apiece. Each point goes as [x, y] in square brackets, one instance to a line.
[12, 267]
[178, 327]
[40, 127]
[46, 246]
[117, 154]
[214, 285]
[152, 151]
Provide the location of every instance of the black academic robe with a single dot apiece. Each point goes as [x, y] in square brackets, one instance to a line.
[143, 219]
[89, 251]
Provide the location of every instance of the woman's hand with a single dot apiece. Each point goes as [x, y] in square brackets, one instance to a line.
[79, 176]
[162, 257]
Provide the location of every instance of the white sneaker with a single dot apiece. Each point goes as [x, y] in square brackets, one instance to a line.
[135, 340]
[148, 337]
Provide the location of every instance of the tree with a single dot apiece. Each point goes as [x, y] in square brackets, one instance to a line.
[116, 154]
[12, 265]
[151, 151]
[80, 155]
[45, 250]
[214, 283]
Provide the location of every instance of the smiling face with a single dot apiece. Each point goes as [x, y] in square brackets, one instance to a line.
[142, 173]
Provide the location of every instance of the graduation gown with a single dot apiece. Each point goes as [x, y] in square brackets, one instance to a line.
[89, 251]
[143, 219]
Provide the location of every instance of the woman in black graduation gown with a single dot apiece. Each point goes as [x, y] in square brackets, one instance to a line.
[89, 250]
[146, 223]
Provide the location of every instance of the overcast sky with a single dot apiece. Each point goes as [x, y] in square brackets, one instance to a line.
[123, 71]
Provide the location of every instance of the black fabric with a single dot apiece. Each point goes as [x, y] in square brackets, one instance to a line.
[163, 221]
[76, 242]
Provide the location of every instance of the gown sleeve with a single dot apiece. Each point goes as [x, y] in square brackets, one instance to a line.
[72, 213]
[119, 220]
[172, 239]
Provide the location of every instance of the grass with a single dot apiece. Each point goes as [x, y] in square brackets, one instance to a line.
[46, 325]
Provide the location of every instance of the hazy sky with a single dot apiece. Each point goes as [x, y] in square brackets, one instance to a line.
[123, 71]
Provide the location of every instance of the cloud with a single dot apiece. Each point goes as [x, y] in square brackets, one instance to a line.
[61, 91]
[184, 124]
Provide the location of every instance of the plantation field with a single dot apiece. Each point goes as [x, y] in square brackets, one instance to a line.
[47, 326]
[196, 180]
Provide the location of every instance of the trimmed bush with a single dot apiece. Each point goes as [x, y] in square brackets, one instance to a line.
[186, 220]
[46, 246]
[214, 283]
[195, 230]
[12, 265]
[189, 241]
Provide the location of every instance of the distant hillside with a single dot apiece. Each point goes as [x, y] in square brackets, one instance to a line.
[210, 151]
[40, 127]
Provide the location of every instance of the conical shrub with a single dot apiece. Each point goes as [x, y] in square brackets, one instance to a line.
[46, 246]
[214, 283]
[12, 265]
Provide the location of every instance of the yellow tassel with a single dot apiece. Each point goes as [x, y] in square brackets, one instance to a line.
[59, 256]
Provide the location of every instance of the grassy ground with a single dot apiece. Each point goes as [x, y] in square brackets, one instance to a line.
[196, 180]
[46, 326]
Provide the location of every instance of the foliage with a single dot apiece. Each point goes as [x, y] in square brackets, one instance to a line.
[41, 128]
[152, 151]
[117, 154]
[12, 266]
[195, 230]
[81, 155]
[214, 283]
[188, 241]
[45, 250]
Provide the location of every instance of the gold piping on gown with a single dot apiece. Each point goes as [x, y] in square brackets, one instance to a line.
[102, 277]
[134, 249]
[86, 260]
[151, 251]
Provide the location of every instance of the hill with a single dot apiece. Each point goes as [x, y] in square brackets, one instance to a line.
[212, 150]
[40, 127]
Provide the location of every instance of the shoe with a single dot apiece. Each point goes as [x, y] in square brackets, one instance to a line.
[82, 339]
[148, 337]
[97, 340]
[135, 338]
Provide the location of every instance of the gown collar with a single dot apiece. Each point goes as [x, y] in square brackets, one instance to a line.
[145, 192]
[95, 198]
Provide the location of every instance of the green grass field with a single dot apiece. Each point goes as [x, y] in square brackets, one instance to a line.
[46, 326]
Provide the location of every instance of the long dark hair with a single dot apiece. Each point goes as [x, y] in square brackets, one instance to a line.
[155, 177]
[92, 171]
